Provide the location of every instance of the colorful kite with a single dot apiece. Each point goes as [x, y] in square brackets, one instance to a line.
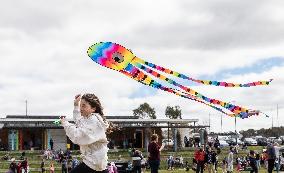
[117, 57]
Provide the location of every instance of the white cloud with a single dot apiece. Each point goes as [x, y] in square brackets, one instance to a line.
[43, 53]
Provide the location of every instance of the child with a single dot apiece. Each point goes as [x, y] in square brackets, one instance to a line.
[170, 162]
[224, 166]
[89, 131]
[51, 168]
[13, 166]
[143, 165]
[239, 166]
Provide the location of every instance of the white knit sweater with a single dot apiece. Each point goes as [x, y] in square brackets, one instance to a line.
[89, 133]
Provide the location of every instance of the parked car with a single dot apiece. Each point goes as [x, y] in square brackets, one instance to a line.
[262, 141]
[278, 140]
[232, 141]
[250, 141]
[168, 142]
[223, 143]
[271, 139]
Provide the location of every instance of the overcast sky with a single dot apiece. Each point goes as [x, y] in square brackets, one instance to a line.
[43, 48]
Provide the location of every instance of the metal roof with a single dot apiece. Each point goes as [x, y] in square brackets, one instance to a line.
[47, 122]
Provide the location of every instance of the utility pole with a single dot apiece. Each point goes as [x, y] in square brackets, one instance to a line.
[26, 107]
[277, 116]
[272, 121]
[221, 123]
[209, 122]
[277, 120]
[236, 130]
[235, 124]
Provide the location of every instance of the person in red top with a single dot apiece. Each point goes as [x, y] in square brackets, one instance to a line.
[199, 157]
[154, 153]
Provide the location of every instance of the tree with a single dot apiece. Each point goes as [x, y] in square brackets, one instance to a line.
[145, 111]
[173, 112]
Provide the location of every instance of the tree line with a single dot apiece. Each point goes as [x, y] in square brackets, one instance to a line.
[146, 111]
[270, 132]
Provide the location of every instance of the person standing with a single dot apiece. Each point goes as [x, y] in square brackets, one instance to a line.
[154, 153]
[253, 162]
[42, 166]
[199, 157]
[24, 165]
[13, 166]
[210, 160]
[277, 154]
[89, 132]
[230, 160]
[51, 168]
[224, 165]
[136, 160]
[271, 157]
[64, 166]
[51, 143]
[75, 162]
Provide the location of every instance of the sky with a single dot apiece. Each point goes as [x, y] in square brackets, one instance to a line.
[43, 50]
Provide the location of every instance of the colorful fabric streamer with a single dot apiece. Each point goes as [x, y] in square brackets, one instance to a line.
[117, 57]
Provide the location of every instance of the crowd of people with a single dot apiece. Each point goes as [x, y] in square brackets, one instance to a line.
[63, 158]
[205, 159]
[270, 158]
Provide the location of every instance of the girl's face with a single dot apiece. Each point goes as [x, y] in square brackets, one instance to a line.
[85, 108]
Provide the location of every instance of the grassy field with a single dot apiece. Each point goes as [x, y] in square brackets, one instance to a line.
[34, 158]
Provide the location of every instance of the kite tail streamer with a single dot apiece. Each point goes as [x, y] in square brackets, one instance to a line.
[138, 75]
[137, 60]
[157, 85]
[233, 108]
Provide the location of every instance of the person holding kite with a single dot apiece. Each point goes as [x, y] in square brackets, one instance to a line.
[89, 132]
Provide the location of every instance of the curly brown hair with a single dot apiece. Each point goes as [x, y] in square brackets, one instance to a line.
[154, 137]
[94, 102]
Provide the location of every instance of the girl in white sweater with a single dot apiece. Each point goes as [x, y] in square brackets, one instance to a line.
[89, 131]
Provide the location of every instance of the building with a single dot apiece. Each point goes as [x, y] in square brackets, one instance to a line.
[20, 132]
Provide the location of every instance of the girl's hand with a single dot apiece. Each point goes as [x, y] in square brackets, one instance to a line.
[77, 99]
[62, 119]
[163, 146]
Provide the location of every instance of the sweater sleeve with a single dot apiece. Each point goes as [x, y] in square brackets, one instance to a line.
[89, 133]
[76, 113]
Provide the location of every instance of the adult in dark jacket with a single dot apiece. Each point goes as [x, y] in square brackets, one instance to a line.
[253, 162]
[154, 153]
[271, 156]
